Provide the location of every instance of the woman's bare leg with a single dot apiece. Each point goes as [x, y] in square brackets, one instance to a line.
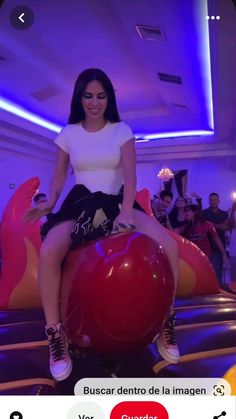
[52, 252]
[151, 227]
[166, 343]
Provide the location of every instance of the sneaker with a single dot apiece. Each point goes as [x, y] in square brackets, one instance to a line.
[60, 362]
[166, 343]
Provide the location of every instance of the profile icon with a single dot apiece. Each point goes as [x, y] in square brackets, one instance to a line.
[16, 415]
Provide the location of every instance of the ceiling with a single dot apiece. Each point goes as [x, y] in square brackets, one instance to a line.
[38, 68]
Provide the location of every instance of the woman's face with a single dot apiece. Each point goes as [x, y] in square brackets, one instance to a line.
[94, 101]
[189, 214]
[180, 202]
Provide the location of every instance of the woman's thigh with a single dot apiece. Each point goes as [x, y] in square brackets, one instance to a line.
[58, 240]
[151, 227]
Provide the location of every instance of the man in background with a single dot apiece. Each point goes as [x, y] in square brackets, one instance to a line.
[219, 219]
[39, 199]
[159, 207]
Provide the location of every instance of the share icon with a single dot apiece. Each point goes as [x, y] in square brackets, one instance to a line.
[222, 414]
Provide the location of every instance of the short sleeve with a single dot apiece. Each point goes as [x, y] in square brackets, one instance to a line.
[62, 139]
[125, 133]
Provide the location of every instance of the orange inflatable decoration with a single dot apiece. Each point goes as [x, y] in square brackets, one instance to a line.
[197, 275]
[143, 198]
[20, 244]
[230, 376]
[21, 241]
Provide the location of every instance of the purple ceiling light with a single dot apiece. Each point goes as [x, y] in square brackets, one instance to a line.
[205, 58]
[174, 134]
[197, 46]
[17, 110]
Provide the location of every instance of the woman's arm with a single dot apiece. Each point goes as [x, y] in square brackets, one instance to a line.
[180, 230]
[222, 226]
[210, 229]
[58, 177]
[221, 248]
[128, 164]
[56, 187]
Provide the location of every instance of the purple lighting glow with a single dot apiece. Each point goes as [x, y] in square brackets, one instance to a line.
[176, 111]
[174, 134]
[8, 106]
[17, 110]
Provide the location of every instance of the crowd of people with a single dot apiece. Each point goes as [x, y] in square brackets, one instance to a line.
[205, 227]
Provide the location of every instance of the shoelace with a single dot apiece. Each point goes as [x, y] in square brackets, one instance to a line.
[170, 330]
[57, 347]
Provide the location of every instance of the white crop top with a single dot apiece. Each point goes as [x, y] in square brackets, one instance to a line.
[95, 156]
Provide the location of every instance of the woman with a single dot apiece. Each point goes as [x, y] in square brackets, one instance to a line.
[197, 231]
[101, 150]
[177, 216]
[189, 199]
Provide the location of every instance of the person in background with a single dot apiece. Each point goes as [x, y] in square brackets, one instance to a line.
[177, 215]
[219, 219]
[198, 231]
[193, 195]
[159, 207]
[232, 246]
[40, 199]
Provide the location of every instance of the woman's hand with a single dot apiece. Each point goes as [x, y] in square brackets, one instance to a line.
[195, 195]
[34, 214]
[123, 222]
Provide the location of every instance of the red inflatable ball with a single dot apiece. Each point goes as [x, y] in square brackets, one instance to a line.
[117, 292]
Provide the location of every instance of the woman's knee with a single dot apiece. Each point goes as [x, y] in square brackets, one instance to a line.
[52, 253]
[57, 243]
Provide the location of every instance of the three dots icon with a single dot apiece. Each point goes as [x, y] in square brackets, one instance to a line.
[213, 17]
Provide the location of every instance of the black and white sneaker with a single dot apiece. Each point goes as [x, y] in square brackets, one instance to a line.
[60, 362]
[166, 343]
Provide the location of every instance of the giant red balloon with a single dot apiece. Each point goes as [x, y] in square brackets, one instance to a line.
[118, 291]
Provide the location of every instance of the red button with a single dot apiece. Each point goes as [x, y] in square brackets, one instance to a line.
[139, 410]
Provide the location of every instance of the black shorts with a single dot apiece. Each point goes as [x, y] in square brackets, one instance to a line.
[81, 205]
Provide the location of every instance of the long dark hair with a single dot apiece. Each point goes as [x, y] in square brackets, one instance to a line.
[198, 215]
[198, 219]
[76, 110]
[175, 211]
